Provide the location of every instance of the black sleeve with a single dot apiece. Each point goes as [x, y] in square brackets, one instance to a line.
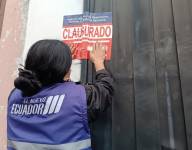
[99, 94]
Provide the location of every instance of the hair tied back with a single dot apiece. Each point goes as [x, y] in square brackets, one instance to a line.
[27, 82]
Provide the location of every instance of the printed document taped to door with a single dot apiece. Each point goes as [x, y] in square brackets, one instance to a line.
[84, 30]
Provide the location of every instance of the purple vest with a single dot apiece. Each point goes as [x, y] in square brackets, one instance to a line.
[53, 119]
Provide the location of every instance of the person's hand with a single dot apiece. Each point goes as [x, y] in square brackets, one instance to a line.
[97, 56]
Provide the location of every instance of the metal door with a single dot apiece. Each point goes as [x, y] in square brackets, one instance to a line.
[152, 67]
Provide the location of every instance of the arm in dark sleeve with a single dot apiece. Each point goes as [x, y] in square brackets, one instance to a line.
[99, 94]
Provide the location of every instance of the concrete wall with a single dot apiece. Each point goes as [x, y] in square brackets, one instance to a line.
[11, 45]
[45, 21]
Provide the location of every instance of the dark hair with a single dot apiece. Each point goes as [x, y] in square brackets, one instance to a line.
[47, 63]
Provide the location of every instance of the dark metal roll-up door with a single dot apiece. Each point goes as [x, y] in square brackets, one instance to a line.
[152, 67]
[182, 11]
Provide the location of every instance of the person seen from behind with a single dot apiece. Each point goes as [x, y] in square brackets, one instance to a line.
[47, 111]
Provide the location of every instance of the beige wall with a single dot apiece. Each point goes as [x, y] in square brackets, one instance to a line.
[11, 45]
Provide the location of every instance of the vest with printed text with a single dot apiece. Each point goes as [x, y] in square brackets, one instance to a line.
[53, 119]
